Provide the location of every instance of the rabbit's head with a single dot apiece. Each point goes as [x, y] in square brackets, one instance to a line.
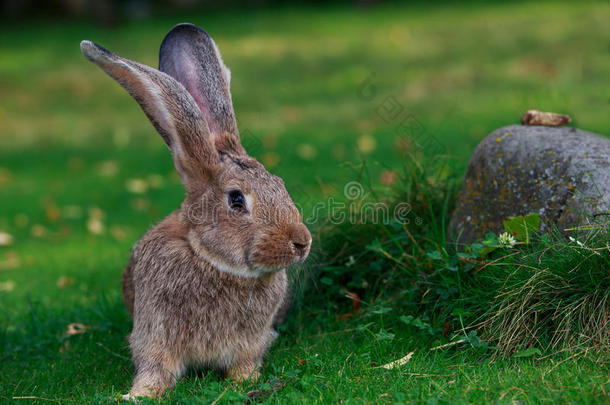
[240, 217]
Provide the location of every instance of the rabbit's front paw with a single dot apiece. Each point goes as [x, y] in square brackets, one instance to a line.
[242, 373]
[129, 397]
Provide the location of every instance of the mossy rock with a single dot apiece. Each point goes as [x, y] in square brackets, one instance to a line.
[561, 173]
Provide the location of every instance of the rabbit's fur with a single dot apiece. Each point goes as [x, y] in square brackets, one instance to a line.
[206, 285]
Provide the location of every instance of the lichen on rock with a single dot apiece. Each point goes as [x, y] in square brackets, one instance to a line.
[561, 173]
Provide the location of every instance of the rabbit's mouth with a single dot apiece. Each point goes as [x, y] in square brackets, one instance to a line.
[275, 258]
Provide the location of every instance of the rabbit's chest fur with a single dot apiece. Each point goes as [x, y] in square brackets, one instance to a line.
[206, 315]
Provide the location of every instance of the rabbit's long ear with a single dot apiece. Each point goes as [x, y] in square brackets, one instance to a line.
[189, 55]
[167, 104]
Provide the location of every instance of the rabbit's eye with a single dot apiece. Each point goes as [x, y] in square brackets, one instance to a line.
[237, 201]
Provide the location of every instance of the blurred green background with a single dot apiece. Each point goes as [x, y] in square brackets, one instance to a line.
[317, 91]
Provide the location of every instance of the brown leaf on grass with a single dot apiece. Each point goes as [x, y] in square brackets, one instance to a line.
[306, 151]
[549, 119]
[269, 141]
[397, 363]
[95, 223]
[366, 143]
[11, 262]
[136, 186]
[446, 329]
[365, 126]
[38, 231]
[270, 159]
[119, 232]
[75, 329]
[355, 301]
[355, 306]
[64, 282]
[387, 177]
[108, 168]
[6, 239]
[403, 144]
[155, 180]
[7, 286]
[95, 226]
[140, 204]
[52, 212]
[291, 114]
[5, 175]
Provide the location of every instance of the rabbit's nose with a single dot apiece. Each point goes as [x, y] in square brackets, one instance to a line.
[300, 238]
[300, 247]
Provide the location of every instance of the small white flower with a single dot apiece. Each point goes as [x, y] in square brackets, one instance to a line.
[579, 243]
[507, 240]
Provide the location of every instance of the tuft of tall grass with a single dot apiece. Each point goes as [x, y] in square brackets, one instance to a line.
[554, 295]
[382, 259]
[551, 293]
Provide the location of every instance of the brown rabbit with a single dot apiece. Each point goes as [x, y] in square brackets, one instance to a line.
[205, 285]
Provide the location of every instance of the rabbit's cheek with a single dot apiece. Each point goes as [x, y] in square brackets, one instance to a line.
[274, 250]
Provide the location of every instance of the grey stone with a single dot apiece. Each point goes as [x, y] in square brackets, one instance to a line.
[562, 173]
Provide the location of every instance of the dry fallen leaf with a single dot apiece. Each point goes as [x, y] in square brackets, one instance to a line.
[75, 329]
[140, 204]
[549, 119]
[365, 126]
[8, 285]
[5, 239]
[270, 159]
[387, 177]
[269, 141]
[108, 168]
[136, 186]
[52, 212]
[291, 114]
[38, 231]
[366, 143]
[11, 262]
[64, 281]
[397, 363]
[306, 151]
[118, 232]
[155, 180]
[95, 225]
[403, 144]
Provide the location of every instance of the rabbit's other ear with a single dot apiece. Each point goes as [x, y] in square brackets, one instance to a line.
[167, 104]
[189, 55]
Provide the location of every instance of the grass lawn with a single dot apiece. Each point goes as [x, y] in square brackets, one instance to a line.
[316, 93]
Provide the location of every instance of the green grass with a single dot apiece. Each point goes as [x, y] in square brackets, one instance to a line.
[310, 89]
